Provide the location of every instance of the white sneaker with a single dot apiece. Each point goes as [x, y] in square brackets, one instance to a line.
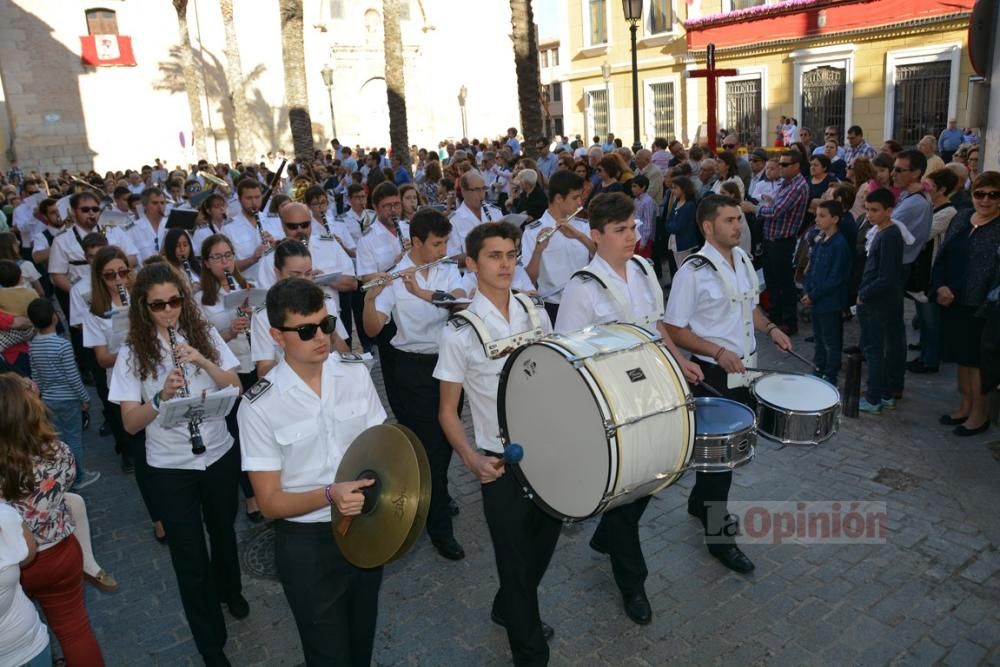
[87, 479]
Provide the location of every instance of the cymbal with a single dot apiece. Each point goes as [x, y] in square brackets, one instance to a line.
[395, 506]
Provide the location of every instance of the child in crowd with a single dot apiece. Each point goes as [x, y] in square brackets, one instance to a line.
[54, 370]
[826, 282]
[880, 299]
[14, 298]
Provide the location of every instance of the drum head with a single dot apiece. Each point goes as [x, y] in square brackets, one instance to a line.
[721, 416]
[548, 408]
[798, 393]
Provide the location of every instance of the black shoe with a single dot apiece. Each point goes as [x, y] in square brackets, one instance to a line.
[962, 431]
[734, 559]
[216, 660]
[105, 430]
[852, 349]
[238, 606]
[547, 630]
[693, 508]
[914, 347]
[449, 548]
[255, 516]
[917, 366]
[948, 420]
[600, 546]
[128, 467]
[85, 416]
[637, 608]
[453, 508]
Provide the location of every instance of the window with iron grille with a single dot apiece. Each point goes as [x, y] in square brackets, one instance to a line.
[659, 17]
[599, 112]
[824, 97]
[556, 95]
[920, 101]
[663, 108]
[743, 109]
[101, 22]
[598, 22]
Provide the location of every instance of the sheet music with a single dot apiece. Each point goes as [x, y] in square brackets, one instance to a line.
[119, 329]
[206, 405]
[326, 279]
[235, 299]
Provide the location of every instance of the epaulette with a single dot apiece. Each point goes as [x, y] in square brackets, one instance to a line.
[257, 390]
[350, 358]
[643, 263]
[449, 260]
[260, 308]
[698, 262]
[457, 321]
[587, 276]
[534, 225]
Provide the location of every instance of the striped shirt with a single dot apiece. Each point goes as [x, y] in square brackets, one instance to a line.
[54, 369]
[783, 218]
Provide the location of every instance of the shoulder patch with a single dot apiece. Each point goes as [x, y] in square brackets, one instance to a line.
[587, 276]
[534, 225]
[698, 262]
[257, 390]
[228, 221]
[351, 358]
[537, 300]
[457, 321]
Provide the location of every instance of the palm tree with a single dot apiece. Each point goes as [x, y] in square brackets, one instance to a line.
[395, 82]
[192, 80]
[243, 148]
[522, 20]
[296, 92]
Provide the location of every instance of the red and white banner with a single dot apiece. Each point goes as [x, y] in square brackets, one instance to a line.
[106, 50]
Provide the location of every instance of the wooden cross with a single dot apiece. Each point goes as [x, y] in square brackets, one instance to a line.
[711, 76]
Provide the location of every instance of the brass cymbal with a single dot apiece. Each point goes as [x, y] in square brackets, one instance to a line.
[395, 506]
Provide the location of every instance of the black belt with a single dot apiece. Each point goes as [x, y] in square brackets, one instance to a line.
[78, 262]
[421, 356]
[303, 527]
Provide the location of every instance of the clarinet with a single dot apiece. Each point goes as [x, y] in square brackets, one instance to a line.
[260, 227]
[123, 295]
[197, 446]
[240, 312]
[399, 232]
[187, 269]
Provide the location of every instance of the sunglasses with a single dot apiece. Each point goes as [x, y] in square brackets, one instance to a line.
[729, 146]
[121, 273]
[308, 331]
[292, 226]
[89, 209]
[159, 306]
[993, 195]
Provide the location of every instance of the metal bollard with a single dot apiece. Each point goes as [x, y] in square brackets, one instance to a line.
[852, 384]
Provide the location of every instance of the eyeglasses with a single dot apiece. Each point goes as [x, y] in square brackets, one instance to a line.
[308, 331]
[221, 257]
[292, 226]
[121, 273]
[89, 209]
[172, 303]
[729, 146]
[993, 195]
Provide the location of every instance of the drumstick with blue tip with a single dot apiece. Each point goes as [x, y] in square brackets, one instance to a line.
[512, 453]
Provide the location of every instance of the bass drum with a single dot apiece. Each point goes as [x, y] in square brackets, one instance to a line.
[604, 416]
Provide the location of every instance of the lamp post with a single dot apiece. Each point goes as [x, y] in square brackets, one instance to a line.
[633, 14]
[606, 75]
[327, 73]
[463, 93]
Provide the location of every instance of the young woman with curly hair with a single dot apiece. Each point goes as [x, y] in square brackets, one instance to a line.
[171, 347]
[36, 470]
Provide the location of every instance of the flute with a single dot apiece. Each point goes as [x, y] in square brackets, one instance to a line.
[240, 312]
[399, 232]
[546, 233]
[378, 282]
[197, 445]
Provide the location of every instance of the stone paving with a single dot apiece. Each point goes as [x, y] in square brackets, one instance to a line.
[930, 595]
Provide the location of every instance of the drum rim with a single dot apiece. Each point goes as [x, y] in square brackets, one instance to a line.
[505, 435]
[716, 399]
[811, 378]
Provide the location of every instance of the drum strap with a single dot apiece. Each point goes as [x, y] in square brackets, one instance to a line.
[622, 304]
[497, 348]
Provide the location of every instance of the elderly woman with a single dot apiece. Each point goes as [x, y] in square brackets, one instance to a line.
[531, 199]
[727, 172]
[965, 268]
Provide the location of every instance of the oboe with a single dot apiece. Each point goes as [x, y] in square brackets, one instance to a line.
[399, 232]
[197, 446]
[240, 311]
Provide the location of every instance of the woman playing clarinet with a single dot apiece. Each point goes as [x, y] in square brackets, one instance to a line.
[171, 351]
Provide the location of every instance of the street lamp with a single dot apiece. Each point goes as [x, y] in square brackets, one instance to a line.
[633, 14]
[606, 75]
[327, 73]
[463, 93]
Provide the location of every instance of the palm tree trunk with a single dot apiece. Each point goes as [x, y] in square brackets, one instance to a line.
[522, 20]
[192, 81]
[296, 91]
[395, 82]
[237, 95]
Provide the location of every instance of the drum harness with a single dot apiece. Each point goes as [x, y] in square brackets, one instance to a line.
[497, 348]
[622, 305]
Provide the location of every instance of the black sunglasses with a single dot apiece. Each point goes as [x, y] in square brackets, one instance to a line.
[298, 225]
[159, 306]
[986, 194]
[308, 331]
[121, 273]
[89, 209]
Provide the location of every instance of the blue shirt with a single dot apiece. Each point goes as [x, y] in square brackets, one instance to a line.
[829, 273]
[914, 211]
[403, 176]
[950, 139]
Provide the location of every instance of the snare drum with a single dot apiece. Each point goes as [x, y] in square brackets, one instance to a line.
[604, 417]
[796, 409]
[725, 434]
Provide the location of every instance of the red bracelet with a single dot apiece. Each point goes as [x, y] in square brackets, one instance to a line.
[721, 351]
[329, 496]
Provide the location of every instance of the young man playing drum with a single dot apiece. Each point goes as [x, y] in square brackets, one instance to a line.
[619, 286]
[712, 312]
[523, 536]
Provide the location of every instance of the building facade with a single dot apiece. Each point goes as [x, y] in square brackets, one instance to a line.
[551, 75]
[102, 86]
[898, 68]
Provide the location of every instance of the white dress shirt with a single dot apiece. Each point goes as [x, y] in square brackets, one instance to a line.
[242, 231]
[357, 222]
[561, 259]
[40, 242]
[464, 220]
[221, 319]
[285, 426]
[263, 347]
[585, 302]
[147, 241]
[462, 360]
[418, 323]
[79, 300]
[67, 248]
[327, 257]
[378, 248]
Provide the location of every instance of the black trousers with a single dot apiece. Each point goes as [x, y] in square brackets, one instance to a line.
[387, 362]
[779, 274]
[335, 604]
[553, 310]
[247, 380]
[418, 411]
[191, 503]
[523, 539]
[618, 533]
[710, 494]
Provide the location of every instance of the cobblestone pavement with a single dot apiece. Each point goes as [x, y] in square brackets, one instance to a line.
[929, 595]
